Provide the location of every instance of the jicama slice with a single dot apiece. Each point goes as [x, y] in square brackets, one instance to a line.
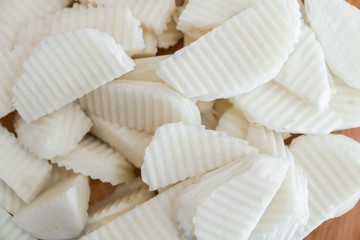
[54, 134]
[10, 69]
[35, 30]
[332, 169]
[237, 56]
[130, 142]
[58, 213]
[116, 20]
[98, 160]
[8, 229]
[304, 73]
[57, 175]
[9, 200]
[340, 41]
[231, 211]
[266, 140]
[169, 37]
[145, 69]
[122, 204]
[21, 170]
[16, 14]
[140, 105]
[62, 68]
[180, 150]
[150, 48]
[234, 123]
[150, 220]
[275, 107]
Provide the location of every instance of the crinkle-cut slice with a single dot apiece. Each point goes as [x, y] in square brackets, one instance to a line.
[35, 30]
[331, 168]
[16, 14]
[62, 68]
[234, 207]
[122, 204]
[169, 37]
[10, 69]
[54, 134]
[239, 55]
[98, 160]
[150, 48]
[304, 73]
[345, 101]
[209, 120]
[130, 142]
[9, 200]
[205, 107]
[145, 69]
[8, 229]
[340, 42]
[180, 150]
[153, 14]
[207, 14]
[234, 123]
[275, 107]
[266, 140]
[116, 20]
[58, 213]
[57, 174]
[140, 105]
[151, 220]
[20, 169]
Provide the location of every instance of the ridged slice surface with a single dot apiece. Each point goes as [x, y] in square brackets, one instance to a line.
[54, 134]
[239, 55]
[145, 69]
[140, 105]
[116, 20]
[62, 68]
[8, 229]
[304, 73]
[179, 150]
[150, 220]
[34, 31]
[266, 140]
[340, 42]
[20, 169]
[9, 200]
[234, 123]
[98, 160]
[130, 142]
[275, 107]
[57, 174]
[207, 14]
[331, 168]
[10, 69]
[16, 14]
[150, 48]
[58, 213]
[170, 36]
[233, 209]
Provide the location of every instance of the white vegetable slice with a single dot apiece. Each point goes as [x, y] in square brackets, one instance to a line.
[16, 14]
[179, 150]
[62, 68]
[234, 123]
[21, 170]
[140, 105]
[275, 107]
[332, 169]
[150, 48]
[340, 41]
[145, 69]
[58, 213]
[9, 231]
[58, 174]
[150, 220]
[304, 73]
[130, 142]
[54, 134]
[266, 140]
[237, 56]
[233, 209]
[98, 160]
[116, 20]
[9, 200]
[10, 69]
[35, 30]
[170, 36]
